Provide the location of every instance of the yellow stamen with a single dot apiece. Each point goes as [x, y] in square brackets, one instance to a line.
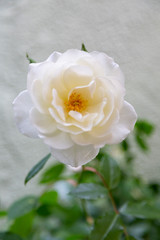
[75, 103]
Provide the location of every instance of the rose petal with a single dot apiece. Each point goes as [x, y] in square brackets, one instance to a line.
[22, 105]
[85, 91]
[102, 130]
[58, 140]
[69, 129]
[54, 57]
[128, 116]
[38, 71]
[125, 125]
[71, 56]
[112, 89]
[99, 110]
[112, 69]
[76, 155]
[43, 122]
[77, 75]
[53, 79]
[58, 104]
[119, 131]
[37, 97]
[85, 124]
[98, 135]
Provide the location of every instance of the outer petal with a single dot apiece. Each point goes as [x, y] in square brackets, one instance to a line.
[22, 105]
[72, 56]
[38, 71]
[54, 57]
[37, 97]
[113, 71]
[125, 125]
[58, 140]
[43, 122]
[76, 155]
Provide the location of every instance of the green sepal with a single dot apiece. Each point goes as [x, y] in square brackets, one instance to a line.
[83, 48]
[30, 59]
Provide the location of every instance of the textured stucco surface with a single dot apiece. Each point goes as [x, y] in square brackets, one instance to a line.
[127, 30]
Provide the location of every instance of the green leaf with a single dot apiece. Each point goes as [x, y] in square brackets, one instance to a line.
[53, 173]
[83, 48]
[89, 191]
[110, 171]
[125, 145]
[114, 235]
[30, 59]
[133, 238]
[3, 214]
[141, 210]
[37, 168]
[103, 227]
[74, 237]
[145, 127]
[49, 198]
[45, 210]
[79, 228]
[23, 225]
[9, 236]
[22, 207]
[141, 142]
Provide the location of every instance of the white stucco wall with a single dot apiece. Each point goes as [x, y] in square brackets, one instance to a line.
[128, 30]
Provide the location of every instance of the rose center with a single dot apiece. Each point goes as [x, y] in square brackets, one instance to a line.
[76, 103]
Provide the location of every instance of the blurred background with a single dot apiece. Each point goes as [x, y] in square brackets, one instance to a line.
[128, 31]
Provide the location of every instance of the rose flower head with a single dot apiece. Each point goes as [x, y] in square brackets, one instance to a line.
[75, 103]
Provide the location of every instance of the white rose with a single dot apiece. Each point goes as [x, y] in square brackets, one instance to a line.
[75, 102]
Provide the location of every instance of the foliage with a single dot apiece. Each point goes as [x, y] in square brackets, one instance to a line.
[37, 168]
[102, 201]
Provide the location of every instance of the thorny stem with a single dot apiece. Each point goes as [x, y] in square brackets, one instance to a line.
[109, 193]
